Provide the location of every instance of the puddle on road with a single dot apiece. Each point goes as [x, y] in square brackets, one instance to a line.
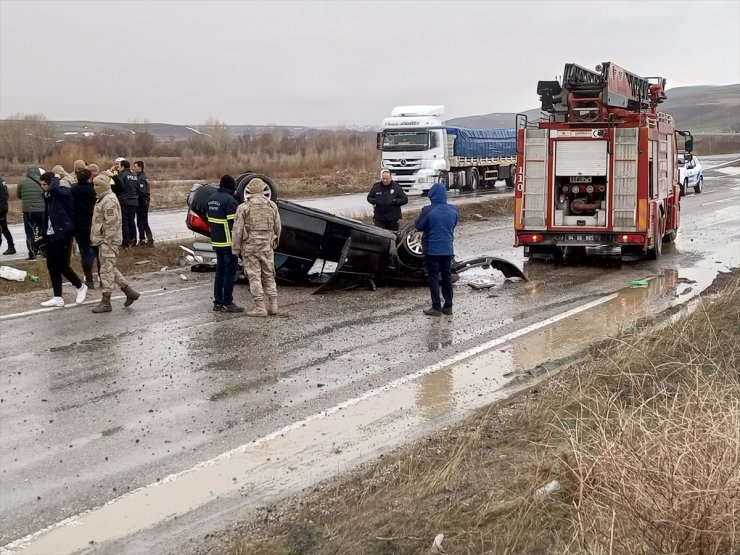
[358, 430]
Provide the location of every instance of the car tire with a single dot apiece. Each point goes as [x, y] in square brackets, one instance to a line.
[408, 246]
[699, 187]
[684, 187]
[243, 180]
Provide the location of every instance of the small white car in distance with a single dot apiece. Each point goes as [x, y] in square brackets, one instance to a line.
[690, 173]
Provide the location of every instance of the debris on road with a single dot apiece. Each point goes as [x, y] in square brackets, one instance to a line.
[12, 274]
[547, 489]
[640, 283]
[437, 544]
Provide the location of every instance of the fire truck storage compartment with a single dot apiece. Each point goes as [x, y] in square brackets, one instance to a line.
[580, 183]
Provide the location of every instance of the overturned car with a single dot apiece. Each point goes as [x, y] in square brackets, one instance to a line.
[363, 255]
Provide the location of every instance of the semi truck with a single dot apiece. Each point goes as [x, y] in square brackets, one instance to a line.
[420, 150]
[597, 174]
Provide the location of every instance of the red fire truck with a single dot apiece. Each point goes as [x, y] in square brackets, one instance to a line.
[598, 173]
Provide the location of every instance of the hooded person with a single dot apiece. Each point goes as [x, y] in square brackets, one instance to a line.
[106, 234]
[57, 234]
[256, 236]
[83, 195]
[94, 170]
[65, 179]
[437, 222]
[33, 206]
[221, 213]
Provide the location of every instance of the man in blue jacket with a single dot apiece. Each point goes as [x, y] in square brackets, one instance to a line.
[221, 214]
[438, 222]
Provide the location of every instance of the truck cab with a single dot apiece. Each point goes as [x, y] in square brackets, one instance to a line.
[413, 143]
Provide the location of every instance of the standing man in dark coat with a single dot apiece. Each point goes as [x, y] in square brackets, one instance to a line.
[142, 211]
[57, 233]
[4, 218]
[221, 214]
[387, 197]
[33, 206]
[83, 195]
[438, 223]
[126, 188]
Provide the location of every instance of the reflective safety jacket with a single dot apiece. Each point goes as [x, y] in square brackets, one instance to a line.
[221, 213]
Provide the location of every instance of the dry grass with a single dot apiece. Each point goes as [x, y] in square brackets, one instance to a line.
[130, 262]
[642, 433]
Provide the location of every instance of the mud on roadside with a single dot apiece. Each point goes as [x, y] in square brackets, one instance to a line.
[477, 481]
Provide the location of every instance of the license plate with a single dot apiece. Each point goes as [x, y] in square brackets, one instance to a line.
[578, 238]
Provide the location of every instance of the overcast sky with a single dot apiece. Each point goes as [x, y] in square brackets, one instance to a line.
[337, 62]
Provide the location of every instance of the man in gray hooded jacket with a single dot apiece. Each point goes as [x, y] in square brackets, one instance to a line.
[33, 206]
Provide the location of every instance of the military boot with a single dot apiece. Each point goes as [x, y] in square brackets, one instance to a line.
[258, 310]
[272, 306]
[131, 295]
[103, 305]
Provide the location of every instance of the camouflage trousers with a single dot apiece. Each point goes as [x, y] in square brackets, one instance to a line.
[260, 267]
[109, 274]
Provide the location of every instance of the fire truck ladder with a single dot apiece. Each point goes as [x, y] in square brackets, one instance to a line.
[584, 82]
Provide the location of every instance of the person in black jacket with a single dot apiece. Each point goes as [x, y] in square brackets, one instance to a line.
[83, 195]
[57, 233]
[221, 214]
[4, 218]
[387, 197]
[126, 188]
[142, 211]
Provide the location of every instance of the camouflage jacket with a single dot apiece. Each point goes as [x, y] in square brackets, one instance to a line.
[106, 222]
[257, 226]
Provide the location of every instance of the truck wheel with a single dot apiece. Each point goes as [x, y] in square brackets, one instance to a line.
[699, 187]
[473, 179]
[270, 191]
[657, 250]
[511, 180]
[684, 186]
[444, 178]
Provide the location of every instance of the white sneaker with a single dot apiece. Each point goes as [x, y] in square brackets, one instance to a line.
[81, 294]
[54, 301]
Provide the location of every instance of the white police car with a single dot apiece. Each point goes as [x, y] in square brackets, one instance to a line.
[690, 173]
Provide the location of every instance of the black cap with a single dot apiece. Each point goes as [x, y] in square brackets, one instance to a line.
[228, 183]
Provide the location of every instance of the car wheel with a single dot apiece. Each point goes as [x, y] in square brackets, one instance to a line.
[269, 190]
[409, 247]
[684, 186]
[699, 187]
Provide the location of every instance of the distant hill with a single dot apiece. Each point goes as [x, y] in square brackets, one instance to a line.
[700, 109]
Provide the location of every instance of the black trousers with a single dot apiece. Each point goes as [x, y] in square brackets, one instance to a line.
[4, 229]
[390, 225]
[128, 214]
[58, 253]
[87, 255]
[439, 268]
[142, 222]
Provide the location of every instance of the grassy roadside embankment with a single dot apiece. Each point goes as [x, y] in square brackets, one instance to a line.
[642, 434]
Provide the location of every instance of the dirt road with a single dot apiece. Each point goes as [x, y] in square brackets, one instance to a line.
[136, 431]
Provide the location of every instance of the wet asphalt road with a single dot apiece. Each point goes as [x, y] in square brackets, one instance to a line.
[93, 406]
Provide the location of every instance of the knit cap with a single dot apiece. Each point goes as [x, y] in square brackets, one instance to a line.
[59, 170]
[80, 165]
[94, 168]
[227, 182]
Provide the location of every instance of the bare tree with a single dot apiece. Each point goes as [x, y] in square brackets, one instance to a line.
[26, 137]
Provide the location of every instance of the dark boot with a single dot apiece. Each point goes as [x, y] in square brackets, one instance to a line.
[90, 283]
[131, 295]
[103, 305]
[11, 250]
[233, 308]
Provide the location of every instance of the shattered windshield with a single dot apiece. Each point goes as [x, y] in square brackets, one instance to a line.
[405, 140]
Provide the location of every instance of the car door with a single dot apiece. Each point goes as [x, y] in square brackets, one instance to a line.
[691, 170]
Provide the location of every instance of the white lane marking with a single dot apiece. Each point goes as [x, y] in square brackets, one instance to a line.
[150, 293]
[723, 164]
[24, 542]
[720, 200]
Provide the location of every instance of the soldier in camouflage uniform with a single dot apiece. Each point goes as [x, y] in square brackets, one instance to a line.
[255, 237]
[106, 235]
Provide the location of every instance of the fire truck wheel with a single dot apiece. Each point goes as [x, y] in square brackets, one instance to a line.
[657, 250]
[684, 186]
[699, 187]
[473, 179]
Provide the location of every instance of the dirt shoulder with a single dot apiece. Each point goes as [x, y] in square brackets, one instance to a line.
[639, 433]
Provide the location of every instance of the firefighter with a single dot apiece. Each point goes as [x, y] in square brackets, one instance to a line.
[221, 214]
[256, 236]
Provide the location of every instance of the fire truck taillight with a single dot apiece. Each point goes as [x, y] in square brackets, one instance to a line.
[631, 238]
[530, 238]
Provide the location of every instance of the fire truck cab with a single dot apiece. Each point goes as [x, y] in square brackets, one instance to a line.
[599, 171]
